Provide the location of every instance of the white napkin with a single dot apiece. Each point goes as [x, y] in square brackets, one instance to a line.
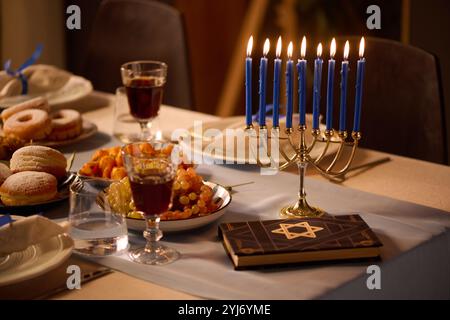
[41, 79]
[44, 78]
[22, 233]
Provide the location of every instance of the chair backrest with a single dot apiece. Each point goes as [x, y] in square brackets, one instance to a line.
[128, 30]
[402, 110]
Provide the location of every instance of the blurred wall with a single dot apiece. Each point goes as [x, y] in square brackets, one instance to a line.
[430, 30]
[25, 23]
[212, 30]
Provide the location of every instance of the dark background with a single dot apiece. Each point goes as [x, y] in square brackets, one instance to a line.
[213, 27]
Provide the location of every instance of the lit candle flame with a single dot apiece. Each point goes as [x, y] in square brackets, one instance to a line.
[278, 51]
[290, 49]
[249, 46]
[319, 50]
[303, 48]
[333, 48]
[158, 135]
[346, 50]
[266, 47]
[361, 47]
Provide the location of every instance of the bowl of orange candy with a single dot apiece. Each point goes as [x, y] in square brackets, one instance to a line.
[195, 202]
[108, 163]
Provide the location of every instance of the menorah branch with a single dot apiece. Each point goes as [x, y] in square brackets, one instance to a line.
[302, 157]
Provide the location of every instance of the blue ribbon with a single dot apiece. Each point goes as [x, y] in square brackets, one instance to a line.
[18, 73]
[269, 108]
[5, 220]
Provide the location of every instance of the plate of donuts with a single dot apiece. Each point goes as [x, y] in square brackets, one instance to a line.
[33, 121]
[36, 177]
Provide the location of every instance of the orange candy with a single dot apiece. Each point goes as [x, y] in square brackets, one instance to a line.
[118, 173]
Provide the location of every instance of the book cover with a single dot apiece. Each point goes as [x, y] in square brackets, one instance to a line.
[271, 242]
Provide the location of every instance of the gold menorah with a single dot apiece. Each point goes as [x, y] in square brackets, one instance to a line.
[302, 158]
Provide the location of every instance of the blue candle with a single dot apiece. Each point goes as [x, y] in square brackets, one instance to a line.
[344, 80]
[248, 83]
[330, 85]
[359, 86]
[301, 70]
[262, 84]
[289, 87]
[276, 85]
[317, 83]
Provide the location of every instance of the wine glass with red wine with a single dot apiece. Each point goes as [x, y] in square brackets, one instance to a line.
[144, 83]
[151, 169]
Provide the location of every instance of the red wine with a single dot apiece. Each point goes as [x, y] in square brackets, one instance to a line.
[145, 97]
[151, 196]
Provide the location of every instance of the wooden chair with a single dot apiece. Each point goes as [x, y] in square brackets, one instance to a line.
[403, 110]
[127, 30]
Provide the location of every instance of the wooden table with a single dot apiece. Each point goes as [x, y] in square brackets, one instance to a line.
[401, 178]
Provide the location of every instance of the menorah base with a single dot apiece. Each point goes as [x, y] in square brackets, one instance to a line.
[301, 210]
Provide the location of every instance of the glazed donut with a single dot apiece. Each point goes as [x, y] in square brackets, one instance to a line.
[36, 103]
[33, 124]
[39, 158]
[28, 187]
[66, 124]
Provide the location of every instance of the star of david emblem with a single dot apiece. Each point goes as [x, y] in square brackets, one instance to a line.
[309, 233]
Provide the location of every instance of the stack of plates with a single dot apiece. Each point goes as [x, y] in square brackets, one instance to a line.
[221, 142]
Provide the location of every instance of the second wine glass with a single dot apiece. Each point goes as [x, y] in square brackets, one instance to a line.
[144, 83]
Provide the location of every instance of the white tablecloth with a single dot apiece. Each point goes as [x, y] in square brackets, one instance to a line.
[417, 244]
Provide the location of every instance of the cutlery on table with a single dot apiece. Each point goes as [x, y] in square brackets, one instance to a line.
[365, 166]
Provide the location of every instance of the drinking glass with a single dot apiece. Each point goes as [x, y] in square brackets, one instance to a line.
[95, 228]
[151, 168]
[144, 84]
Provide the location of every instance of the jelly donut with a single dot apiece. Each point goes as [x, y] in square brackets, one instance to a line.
[39, 158]
[5, 172]
[26, 188]
[66, 124]
[32, 124]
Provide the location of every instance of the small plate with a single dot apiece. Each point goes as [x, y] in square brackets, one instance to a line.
[35, 260]
[220, 194]
[63, 194]
[76, 88]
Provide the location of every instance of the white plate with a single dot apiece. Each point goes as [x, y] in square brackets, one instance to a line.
[191, 223]
[76, 88]
[212, 145]
[35, 260]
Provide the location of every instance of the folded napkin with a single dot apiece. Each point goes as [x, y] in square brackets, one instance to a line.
[22, 233]
[41, 78]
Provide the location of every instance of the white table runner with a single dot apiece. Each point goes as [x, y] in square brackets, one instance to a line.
[205, 270]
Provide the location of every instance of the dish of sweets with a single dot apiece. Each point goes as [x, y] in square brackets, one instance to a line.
[36, 175]
[33, 122]
[195, 202]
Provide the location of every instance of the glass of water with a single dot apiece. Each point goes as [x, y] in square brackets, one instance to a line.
[95, 228]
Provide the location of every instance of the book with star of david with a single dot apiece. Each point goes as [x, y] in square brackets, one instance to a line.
[287, 241]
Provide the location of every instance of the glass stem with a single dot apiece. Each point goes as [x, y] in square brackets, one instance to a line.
[146, 127]
[153, 234]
